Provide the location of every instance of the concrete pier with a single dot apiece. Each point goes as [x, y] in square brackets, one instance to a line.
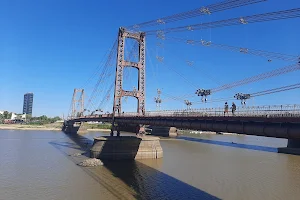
[293, 147]
[164, 131]
[74, 128]
[82, 128]
[126, 148]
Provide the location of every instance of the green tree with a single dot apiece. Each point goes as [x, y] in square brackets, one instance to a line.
[5, 114]
[1, 119]
[9, 115]
[28, 117]
[43, 120]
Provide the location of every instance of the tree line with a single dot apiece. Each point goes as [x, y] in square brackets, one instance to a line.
[42, 120]
[31, 120]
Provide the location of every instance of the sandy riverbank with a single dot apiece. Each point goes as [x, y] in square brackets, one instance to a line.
[28, 127]
[48, 127]
[103, 130]
[192, 132]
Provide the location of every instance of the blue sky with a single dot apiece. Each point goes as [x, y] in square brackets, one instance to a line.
[50, 47]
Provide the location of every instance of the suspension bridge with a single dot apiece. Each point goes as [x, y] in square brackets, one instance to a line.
[129, 51]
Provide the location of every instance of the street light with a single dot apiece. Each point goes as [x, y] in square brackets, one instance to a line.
[158, 99]
[203, 93]
[242, 97]
[97, 110]
[188, 104]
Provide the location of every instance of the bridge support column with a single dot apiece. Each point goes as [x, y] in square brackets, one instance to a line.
[140, 130]
[164, 131]
[74, 128]
[115, 129]
[82, 128]
[70, 128]
[293, 147]
[126, 148]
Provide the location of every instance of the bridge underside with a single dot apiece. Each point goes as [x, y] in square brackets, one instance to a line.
[269, 127]
[288, 128]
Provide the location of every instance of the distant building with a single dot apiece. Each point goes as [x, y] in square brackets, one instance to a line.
[15, 116]
[28, 103]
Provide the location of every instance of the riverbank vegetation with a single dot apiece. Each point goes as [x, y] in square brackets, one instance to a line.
[6, 117]
[42, 120]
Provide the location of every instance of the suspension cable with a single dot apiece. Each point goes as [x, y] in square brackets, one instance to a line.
[276, 90]
[243, 50]
[259, 77]
[260, 93]
[284, 14]
[207, 10]
[107, 95]
[103, 74]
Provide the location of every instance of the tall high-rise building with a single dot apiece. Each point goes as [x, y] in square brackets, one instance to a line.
[28, 103]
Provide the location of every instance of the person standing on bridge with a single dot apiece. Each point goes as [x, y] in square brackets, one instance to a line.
[233, 108]
[226, 108]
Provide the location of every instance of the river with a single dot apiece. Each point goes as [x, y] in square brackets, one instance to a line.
[43, 165]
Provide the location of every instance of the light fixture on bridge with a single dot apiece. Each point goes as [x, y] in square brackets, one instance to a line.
[242, 97]
[97, 110]
[203, 93]
[158, 99]
[188, 104]
[82, 113]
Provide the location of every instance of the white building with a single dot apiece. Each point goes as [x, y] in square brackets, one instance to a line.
[15, 116]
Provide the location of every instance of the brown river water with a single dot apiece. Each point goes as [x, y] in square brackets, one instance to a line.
[42, 165]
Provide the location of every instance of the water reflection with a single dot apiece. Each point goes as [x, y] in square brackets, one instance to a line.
[147, 182]
[150, 183]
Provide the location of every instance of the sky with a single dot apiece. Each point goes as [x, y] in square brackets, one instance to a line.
[50, 47]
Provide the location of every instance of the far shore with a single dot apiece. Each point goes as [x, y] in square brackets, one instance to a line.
[38, 127]
[57, 127]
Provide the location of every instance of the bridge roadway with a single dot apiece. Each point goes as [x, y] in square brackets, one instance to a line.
[269, 126]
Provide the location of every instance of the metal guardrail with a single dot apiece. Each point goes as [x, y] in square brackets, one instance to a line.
[255, 111]
[267, 111]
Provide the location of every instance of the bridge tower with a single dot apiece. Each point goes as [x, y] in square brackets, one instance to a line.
[75, 101]
[139, 93]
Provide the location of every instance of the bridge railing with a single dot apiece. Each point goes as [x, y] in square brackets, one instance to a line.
[246, 111]
[262, 111]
